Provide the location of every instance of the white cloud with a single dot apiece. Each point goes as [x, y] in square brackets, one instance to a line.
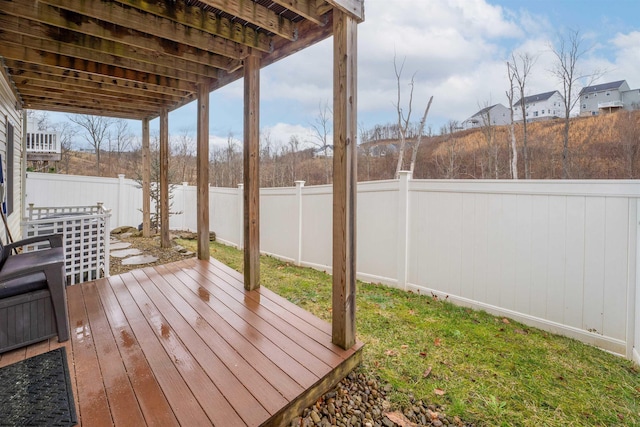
[281, 133]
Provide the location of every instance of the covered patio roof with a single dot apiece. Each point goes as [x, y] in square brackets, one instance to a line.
[134, 58]
[141, 59]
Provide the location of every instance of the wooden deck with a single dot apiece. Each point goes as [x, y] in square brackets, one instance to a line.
[185, 344]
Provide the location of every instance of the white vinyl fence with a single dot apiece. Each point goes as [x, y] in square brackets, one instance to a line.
[559, 255]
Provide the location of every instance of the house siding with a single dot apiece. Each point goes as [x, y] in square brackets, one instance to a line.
[590, 102]
[10, 115]
[499, 115]
[541, 110]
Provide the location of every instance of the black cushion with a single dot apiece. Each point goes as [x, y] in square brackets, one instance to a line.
[23, 285]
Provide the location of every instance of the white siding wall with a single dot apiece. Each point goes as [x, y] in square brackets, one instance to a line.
[9, 114]
[560, 255]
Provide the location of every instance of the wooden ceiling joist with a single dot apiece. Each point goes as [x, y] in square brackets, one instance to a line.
[151, 53]
[21, 69]
[143, 63]
[35, 80]
[305, 8]
[123, 39]
[134, 19]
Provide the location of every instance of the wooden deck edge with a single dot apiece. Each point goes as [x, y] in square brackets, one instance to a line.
[322, 386]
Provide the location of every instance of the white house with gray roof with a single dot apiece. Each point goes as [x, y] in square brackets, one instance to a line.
[608, 97]
[496, 115]
[541, 106]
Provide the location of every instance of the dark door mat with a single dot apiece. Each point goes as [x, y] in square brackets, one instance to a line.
[37, 392]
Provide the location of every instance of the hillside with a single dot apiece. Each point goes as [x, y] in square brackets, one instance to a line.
[601, 147]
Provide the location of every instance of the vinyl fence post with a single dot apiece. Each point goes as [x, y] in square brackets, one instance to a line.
[403, 228]
[240, 216]
[298, 257]
[121, 201]
[184, 205]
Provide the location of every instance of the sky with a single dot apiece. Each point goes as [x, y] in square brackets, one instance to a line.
[455, 49]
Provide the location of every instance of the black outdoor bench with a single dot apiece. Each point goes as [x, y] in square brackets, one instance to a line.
[33, 299]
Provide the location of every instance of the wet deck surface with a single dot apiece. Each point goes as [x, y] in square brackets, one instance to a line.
[184, 343]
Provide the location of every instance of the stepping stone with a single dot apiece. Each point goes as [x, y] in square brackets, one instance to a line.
[119, 245]
[140, 259]
[125, 253]
[187, 253]
[125, 235]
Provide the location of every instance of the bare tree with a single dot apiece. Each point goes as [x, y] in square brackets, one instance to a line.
[122, 138]
[488, 129]
[416, 145]
[629, 136]
[183, 151]
[294, 146]
[95, 130]
[404, 121]
[67, 132]
[448, 164]
[568, 53]
[518, 69]
[321, 132]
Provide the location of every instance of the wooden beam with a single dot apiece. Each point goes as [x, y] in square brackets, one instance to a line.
[104, 51]
[146, 179]
[63, 108]
[50, 63]
[305, 8]
[353, 8]
[44, 84]
[258, 15]
[203, 171]
[165, 241]
[58, 24]
[149, 24]
[36, 100]
[251, 172]
[344, 179]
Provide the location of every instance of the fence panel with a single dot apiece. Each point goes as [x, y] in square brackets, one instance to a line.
[561, 255]
[278, 222]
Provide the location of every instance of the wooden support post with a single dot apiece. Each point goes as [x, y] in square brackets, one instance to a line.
[344, 179]
[146, 180]
[251, 172]
[203, 171]
[165, 242]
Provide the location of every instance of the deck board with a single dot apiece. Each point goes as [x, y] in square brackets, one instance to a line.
[185, 344]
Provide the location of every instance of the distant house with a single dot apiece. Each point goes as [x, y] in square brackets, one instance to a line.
[497, 115]
[542, 106]
[608, 97]
[42, 145]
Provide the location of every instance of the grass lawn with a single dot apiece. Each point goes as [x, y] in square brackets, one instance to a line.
[484, 369]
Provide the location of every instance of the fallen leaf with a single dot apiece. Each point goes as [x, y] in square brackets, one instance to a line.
[404, 346]
[439, 392]
[400, 419]
[423, 354]
[426, 373]
[521, 331]
[411, 312]
[505, 320]
[391, 353]
[436, 342]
